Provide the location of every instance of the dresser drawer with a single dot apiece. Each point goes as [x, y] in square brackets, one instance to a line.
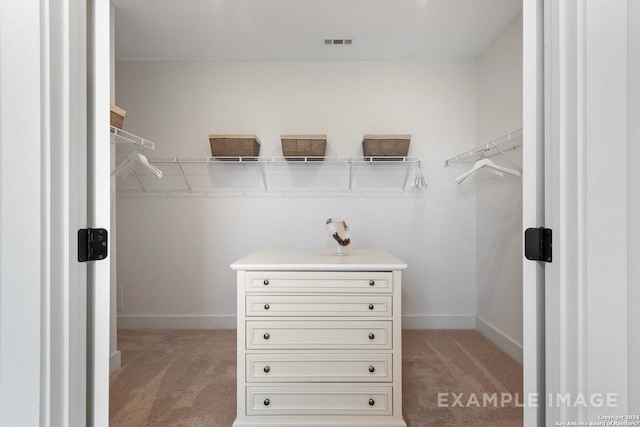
[318, 282]
[319, 400]
[318, 335]
[319, 305]
[322, 368]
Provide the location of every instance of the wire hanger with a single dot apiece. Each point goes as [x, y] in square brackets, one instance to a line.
[484, 163]
[134, 160]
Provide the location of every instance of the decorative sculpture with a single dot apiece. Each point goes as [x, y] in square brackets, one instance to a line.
[340, 232]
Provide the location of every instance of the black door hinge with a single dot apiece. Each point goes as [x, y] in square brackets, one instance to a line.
[92, 244]
[538, 244]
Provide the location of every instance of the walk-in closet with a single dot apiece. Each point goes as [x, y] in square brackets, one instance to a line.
[433, 239]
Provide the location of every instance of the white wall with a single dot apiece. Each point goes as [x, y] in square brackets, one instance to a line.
[499, 200]
[633, 201]
[174, 252]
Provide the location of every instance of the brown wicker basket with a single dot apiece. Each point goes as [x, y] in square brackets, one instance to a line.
[232, 147]
[297, 147]
[117, 116]
[380, 146]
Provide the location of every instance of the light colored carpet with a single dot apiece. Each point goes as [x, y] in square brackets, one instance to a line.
[188, 378]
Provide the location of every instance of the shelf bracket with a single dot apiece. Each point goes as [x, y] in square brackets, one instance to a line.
[144, 189]
[514, 164]
[264, 176]
[406, 177]
[350, 173]
[184, 175]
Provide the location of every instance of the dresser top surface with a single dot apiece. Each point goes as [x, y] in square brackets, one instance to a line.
[319, 260]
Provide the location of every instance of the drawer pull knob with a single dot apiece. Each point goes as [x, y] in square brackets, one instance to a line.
[370, 306]
[372, 282]
[266, 336]
[371, 336]
[266, 282]
[266, 307]
[266, 369]
[372, 369]
[267, 402]
[371, 402]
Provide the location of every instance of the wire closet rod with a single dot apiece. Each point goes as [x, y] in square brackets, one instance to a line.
[510, 141]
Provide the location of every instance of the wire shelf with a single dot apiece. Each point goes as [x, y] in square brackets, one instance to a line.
[193, 174]
[190, 174]
[129, 138]
[510, 141]
[284, 160]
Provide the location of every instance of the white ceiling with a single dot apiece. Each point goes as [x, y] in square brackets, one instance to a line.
[294, 29]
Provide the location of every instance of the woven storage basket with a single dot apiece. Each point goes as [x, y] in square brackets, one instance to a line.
[234, 146]
[117, 116]
[381, 146]
[297, 147]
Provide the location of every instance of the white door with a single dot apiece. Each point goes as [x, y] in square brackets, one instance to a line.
[578, 327]
[586, 206]
[25, 227]
[49, 155]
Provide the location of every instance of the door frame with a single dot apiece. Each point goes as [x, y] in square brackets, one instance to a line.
[585, 148]
[98, 208]
[533, 210]
[64, 112]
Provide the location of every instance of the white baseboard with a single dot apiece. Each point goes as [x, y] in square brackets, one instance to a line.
[500, 339]
[198, 321]
[115, 361]
[438, 321]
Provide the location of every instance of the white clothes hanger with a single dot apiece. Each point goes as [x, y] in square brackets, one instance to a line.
[134, 160]
[488, 165]
[142, 159]
[419, 180]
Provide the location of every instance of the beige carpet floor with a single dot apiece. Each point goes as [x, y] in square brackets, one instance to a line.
[188, 378]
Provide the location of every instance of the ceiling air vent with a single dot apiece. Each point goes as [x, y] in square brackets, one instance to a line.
[339, 42]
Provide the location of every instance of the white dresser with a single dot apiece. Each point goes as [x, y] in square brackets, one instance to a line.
[319, 339]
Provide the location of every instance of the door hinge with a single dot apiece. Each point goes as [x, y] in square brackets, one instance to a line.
[92, 244]
[538, 244]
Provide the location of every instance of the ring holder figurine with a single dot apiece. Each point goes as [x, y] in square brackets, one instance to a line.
[340, 232]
